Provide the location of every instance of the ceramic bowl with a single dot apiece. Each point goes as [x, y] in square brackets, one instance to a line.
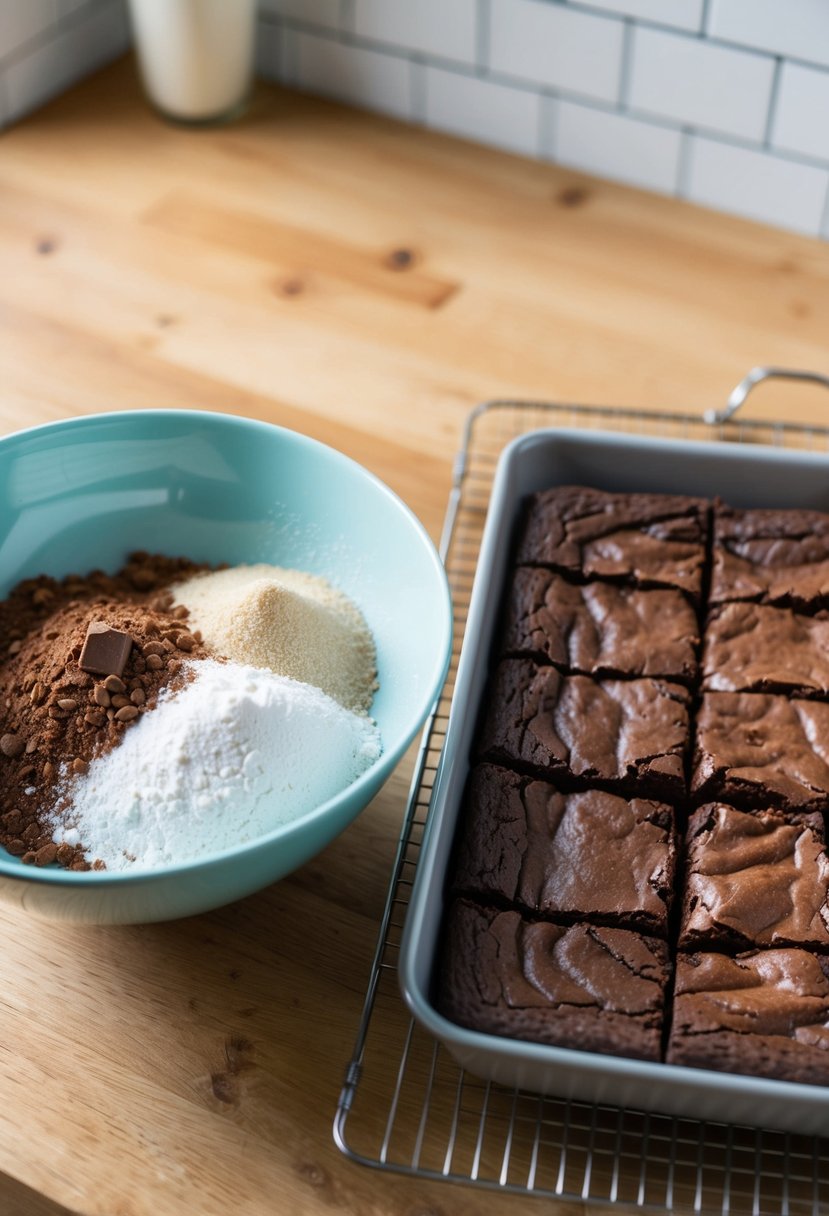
[81, 494]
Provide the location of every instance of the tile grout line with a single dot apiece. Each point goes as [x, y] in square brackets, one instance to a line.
[626, 65]
[774, 95]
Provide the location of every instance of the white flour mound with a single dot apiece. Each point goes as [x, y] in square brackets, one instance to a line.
[237, 752]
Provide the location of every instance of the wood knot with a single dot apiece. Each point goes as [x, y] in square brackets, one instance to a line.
[313, 1174]
[400, 259]
[46, 245]
[290, 287]
[572, 196]
[164, 320]
[224, 1088]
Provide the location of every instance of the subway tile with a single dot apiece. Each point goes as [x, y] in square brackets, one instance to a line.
[431, 27]
[316, 12]
[482, 110]
[795, 28]
[682, 14]
[349, 73]
[23, 20]
[560, 47]
[615, 146]
[758, 185]
[800, 123]
[61, 61]
[692, 82]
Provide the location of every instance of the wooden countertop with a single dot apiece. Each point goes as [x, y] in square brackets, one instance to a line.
[365, 283]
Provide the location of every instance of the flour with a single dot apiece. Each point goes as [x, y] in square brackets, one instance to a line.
[235, 753]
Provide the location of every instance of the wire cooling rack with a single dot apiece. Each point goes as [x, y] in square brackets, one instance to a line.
[406, 1105]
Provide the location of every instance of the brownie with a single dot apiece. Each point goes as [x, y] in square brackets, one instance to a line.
[600, 629]
[759, 750]
[754, 878]
[757, 648]
[631, 735]
[578, 986]
[765, 1013]
[526, 843]
[772, 557]
[654, 540]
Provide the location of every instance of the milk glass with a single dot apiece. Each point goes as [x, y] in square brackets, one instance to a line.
[196, 56]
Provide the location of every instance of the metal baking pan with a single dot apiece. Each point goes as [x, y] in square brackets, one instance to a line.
[744, 476]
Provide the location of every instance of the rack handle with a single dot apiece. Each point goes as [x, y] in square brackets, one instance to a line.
[756, 376]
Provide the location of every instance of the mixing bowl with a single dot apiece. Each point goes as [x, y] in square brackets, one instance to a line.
[81, 494]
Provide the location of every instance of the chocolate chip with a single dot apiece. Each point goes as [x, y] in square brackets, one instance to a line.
[185, 641]
[79, 766]
[126, 713]
[12, 745]
[114, 684]
[105, 650]
[67, 703]
[101, 697]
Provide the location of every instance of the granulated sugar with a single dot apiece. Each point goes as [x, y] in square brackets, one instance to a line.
[294, 623]
[235, 753]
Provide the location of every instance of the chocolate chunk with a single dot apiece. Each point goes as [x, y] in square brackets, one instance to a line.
[105, 650]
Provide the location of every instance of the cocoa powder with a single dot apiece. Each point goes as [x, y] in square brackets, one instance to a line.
[56, 718]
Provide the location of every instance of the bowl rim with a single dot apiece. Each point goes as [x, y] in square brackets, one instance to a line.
[388, 760]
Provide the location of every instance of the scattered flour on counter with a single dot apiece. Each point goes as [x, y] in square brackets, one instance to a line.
[235, 753]
[295, 623]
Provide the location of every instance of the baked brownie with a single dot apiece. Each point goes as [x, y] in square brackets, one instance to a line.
[759, 750]
[590, 988]
[754, 878]
[654, 540]
[765, 1013]
[601, 629]
[631, 735]
[773, 557]
[526, 843]
[753, 647]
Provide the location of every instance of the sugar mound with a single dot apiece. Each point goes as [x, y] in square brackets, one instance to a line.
[294, 623]
[235, 753]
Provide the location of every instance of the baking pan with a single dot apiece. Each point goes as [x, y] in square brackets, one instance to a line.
[745, 477]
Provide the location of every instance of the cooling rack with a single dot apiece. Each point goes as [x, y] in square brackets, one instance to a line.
[406, 1105]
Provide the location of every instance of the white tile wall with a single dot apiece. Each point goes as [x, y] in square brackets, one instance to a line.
[795, 28]
[353, 74]
[446, 30]
[549, 44]
[682, 14]
[801, 122]
[757, 184]
[483, 110]
[48, 45]
[694, 83]
[613, 145]
[725, 102]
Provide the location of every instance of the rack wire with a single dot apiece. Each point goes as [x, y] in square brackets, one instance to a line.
[406, 1105]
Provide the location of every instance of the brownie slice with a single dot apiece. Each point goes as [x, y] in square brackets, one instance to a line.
[754, 878]
[654, 540]
[772, 557]
[524, 842]
[757, 750]
[631, 735]
[585, 987]
[765, 1013]
[601, 629]
[757, 648]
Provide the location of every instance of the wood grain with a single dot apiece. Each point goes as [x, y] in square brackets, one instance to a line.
[367, 284]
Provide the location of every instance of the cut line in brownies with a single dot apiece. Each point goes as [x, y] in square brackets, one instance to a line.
[601, 730]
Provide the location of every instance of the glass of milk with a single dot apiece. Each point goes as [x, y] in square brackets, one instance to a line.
[196, 56]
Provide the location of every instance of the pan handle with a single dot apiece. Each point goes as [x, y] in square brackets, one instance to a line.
[756, 376]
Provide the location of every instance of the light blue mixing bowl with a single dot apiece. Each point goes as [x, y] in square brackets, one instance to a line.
[81, 494]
